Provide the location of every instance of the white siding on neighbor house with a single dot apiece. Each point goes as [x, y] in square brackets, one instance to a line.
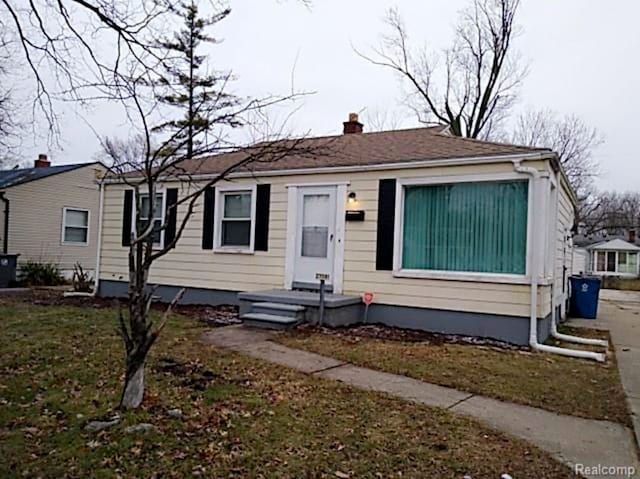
[35, 217]
[189, 265]
[581, 262]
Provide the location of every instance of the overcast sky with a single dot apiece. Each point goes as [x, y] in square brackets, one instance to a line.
[583, 58]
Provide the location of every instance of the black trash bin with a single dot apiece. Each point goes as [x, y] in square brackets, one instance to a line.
[8, 266]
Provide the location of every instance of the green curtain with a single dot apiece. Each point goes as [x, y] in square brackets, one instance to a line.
[476, 227]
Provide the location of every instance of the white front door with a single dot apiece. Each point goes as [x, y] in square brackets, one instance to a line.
[315, 235]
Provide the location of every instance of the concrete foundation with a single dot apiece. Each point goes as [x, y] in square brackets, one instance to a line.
[341, 310]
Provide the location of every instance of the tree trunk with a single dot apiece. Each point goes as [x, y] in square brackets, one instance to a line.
[133, 391]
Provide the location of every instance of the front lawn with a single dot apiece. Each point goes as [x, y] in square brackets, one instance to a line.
[61, 366]
[556, 383]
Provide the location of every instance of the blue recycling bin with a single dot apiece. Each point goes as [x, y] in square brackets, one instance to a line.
[585, 291]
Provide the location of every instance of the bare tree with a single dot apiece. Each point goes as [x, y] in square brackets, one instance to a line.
[9, 112]
[569, 136]
[473, 89]
[612, 212]
[196, 125]
[377, 119]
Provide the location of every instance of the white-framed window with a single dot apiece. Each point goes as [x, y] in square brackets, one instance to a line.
[616, 262]
[75, 226]
[157, 216]
[235, 219]
[467, 227]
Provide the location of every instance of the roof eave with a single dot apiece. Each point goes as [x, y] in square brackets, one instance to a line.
[410, 164]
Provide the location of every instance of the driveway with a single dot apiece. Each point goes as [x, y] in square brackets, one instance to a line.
[619, 312]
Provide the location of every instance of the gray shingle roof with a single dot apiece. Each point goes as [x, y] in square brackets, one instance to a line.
[19, 176]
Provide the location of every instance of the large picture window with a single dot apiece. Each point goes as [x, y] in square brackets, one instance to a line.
[476, 227]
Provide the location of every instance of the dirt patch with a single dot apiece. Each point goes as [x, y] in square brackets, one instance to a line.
[388, 333]
[213, 316]
[193, 375]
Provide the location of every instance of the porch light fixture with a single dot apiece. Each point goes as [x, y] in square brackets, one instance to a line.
[352, 198]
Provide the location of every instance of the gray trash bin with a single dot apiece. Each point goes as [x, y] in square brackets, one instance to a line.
[8, 265]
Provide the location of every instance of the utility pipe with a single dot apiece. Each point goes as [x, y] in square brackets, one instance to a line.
[5, 241]
[534, 274]
[566, 337]
[96, 280]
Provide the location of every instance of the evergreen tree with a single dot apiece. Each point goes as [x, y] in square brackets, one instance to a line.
[188, 85]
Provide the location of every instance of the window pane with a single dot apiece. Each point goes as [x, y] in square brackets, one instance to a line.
[237, 205]
[76, 218]
[475, 227]
[314, 241]
[630, 265]
[601, 260]
[75, 235]
[157, 234]
[622, 258]
[236, 233]
[157, 207]
[611, 261]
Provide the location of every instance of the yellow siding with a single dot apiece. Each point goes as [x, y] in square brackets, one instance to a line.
[189, 265]
[35, 217]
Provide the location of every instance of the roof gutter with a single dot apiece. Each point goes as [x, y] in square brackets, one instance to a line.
[473, 160]
[5, 240]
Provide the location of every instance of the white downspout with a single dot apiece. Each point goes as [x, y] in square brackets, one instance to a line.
[96, 281]
[534, 275]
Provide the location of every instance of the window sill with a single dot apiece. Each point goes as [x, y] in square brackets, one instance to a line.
[232, 250]
[72, 243]
[463, 276]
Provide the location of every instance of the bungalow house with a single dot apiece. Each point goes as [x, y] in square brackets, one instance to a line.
[49, 213]
[605, 255]
[448, 234]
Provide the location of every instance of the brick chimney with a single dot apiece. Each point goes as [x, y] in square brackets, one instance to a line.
[42, 161]
[353, 125]
[632, 236]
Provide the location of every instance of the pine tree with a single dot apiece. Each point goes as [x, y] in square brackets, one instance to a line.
[187, 85]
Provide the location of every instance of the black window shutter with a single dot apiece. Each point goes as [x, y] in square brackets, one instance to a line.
[171, 209]
[207, 220]
[263, 200]
[127, 215]
[386, 224]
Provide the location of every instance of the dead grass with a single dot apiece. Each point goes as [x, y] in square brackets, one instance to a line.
[555, 383]
[61, 366]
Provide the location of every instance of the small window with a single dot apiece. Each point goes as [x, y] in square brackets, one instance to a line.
[145, 215]
[75, 226]
[235, 221]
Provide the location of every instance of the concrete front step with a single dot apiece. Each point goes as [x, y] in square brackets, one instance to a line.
[269, 321]
[279, 309]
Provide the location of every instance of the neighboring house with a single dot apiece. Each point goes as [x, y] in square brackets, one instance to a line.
[53, 212]
[610, 255]
[449, 234]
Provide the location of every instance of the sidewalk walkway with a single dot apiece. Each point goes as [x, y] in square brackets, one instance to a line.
[570, 439]
[620, 314]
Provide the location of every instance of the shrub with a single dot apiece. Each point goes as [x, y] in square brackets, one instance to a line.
[81, 281]
[33, 273]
